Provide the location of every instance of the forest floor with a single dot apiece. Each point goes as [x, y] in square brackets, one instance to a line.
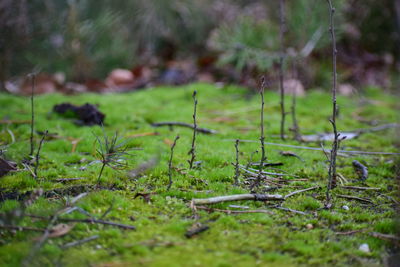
[307, 234]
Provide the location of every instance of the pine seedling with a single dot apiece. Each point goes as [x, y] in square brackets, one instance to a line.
[113, 153]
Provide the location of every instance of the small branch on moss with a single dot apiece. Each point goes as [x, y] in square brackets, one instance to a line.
[192, 151]
[33, 77]
[89, 220]
[37, 157]
[170, 163]
[256, 183]
[360, 187]
[256, 197]
[182, 124]
[196, 230]
[361, 170]
[79, 242]
[356, 198]
[237, 171]
[233, 211]
[352, 232]
[300, 191]
[291, 210]
[391, 238]
[21, 228]
[282, 30]
[63, 180]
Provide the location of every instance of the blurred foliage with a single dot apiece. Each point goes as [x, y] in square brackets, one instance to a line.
[252, 43]
[247, 43]
[87, 38]
[90, 38]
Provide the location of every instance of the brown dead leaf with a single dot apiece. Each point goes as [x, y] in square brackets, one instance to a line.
[6, 166]
[60, 230]
[168, 142]
[146, 196]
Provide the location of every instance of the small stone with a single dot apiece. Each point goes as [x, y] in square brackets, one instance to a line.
[345, 207]
[364, 248]
[309, 226]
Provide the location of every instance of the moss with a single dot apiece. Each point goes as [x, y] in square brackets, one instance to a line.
[279, 239]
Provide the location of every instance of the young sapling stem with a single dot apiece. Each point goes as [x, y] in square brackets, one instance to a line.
[282, 30]
[192, 151]
[33, 78]
[332, 175]
[262, 137]
[170, 163]
[237, 171]
[295, 126]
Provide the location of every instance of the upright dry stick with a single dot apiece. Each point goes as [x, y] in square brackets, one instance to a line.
[282, 31]
[295, 125]
[170, 163]
[192, 151]
[262, 137]
[37, 157]
[332, 165]
[237, 171]
[33, 76]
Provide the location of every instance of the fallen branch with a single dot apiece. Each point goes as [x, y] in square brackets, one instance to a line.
[317, 148]
[233, 211]
[391, 238]
[196, 230]
[62, 180]
[291, 210]
[183, 124]
[21, 228]
[360, 188]
[300, 191]
[351, 232]
[356, 198]
[79, 242]
[120, 225]
[361, 170]
[256, 197]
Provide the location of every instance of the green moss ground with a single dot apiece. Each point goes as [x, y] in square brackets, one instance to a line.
[281, 239]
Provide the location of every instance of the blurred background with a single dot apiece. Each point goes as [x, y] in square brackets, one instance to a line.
[101, 46]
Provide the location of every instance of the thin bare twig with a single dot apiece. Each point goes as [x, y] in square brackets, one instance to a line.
[360, 188]
[88, 220]
[21, 228]
[33, 77]
[291, 210]
[192, 151]
[282, 30]
[237, 171]
[300, 191]
[356, 198]
[257, 197]
[317, 148]
[332, 179]
[262, 137]
[79, 242]
[170, 163]
[182, 124]
[37, 157]
[233, 211]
